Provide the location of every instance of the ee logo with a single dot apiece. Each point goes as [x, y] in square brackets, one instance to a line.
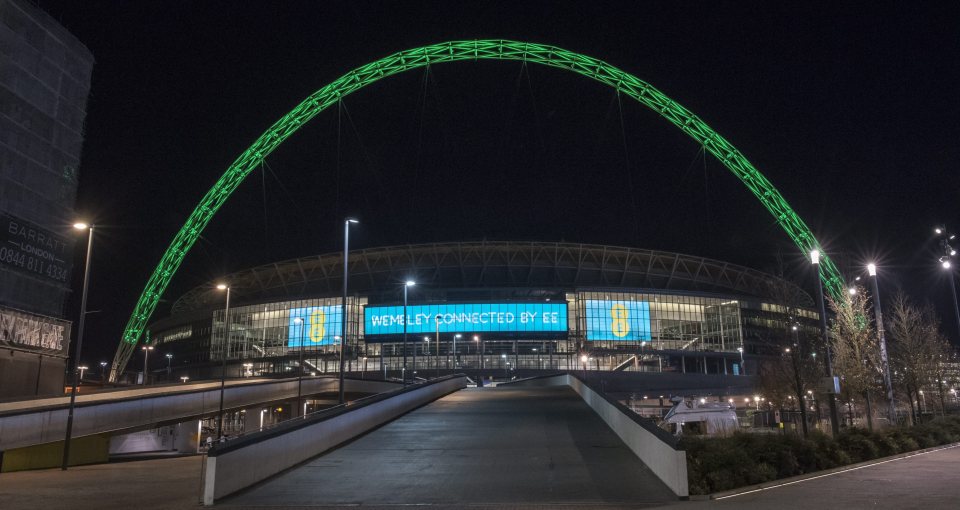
[318, 326]
[620, 327]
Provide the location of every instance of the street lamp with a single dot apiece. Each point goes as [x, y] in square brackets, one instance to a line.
[76, 358]
[743, 370]
[300, 322]
[407, 285]
[437, 350]
[872, 270]
[455, 337]
[82, 369]
[169, 357]
[103, 372]
[146, 352]
[832, 398]
[479, 354]
[223, 356]
[343, 306]
[948, 252]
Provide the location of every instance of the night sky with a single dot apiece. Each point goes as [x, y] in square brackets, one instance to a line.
[851, 111]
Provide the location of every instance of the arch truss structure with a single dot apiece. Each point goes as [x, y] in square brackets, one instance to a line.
[455, 51]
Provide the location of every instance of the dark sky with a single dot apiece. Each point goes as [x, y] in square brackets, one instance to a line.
[850, 110]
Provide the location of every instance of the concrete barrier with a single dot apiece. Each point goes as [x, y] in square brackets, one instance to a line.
[237, 464]
[652, 445]
[146, 407]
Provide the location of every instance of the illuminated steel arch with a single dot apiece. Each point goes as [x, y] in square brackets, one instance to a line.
[451, 52]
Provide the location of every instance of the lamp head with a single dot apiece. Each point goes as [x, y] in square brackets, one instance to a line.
[938, 230]
[945, 264]
[222, 286]
[815, 256]
[80, 225]
[351, 220]
[410, 283]
[872, 269]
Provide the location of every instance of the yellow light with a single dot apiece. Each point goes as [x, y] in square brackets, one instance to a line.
[80, 226]
[222, 286]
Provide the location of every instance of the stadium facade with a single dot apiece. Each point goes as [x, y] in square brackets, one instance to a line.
[497, 309]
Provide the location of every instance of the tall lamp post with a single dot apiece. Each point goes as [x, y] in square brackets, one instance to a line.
[455, 337]
[406, 285]
[223, 357]
[76, 359]
[872, 270]
[437, 350]
[303, 327]
[343, 304]
[832, 398]
[946, 263]
[476, 338]
[146, 353]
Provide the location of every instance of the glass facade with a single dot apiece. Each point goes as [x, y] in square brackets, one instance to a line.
[614, 329]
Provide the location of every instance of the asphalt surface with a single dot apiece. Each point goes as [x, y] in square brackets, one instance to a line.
[503, 447]
[928, 481]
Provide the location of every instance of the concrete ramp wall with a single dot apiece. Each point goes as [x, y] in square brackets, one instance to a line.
[240, 463]
[655, 447]
[42, 421]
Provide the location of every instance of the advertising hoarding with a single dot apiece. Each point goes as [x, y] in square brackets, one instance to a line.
[618, 320]
[467, 318]
[33, 332]
[317, 325]
[30, 249]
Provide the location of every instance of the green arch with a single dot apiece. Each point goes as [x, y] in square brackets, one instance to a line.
[451, 52]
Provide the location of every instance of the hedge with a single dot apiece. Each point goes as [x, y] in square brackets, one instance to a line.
[722, 463]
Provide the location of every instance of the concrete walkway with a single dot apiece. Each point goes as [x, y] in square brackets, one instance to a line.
[503, 448]
[144, 485]
[506, 447]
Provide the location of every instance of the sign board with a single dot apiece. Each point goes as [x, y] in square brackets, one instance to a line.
[27, 248]
[314, 325]
[830, 385]
[618, 320]
[467, 318]
[24, 330]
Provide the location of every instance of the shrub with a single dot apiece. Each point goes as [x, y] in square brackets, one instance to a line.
[903, 440]
[721, 463]
[857, 444]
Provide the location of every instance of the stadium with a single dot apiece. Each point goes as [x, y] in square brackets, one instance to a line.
[492, 309]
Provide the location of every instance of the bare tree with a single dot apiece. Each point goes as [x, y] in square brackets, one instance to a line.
[856, 351]
[919, 351]
[795, 371]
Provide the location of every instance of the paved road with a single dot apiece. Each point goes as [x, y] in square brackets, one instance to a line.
[517, 447]
[928, 481]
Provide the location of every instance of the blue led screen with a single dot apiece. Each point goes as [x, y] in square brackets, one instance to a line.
[467, 318]
[618, 320]
[321, 325]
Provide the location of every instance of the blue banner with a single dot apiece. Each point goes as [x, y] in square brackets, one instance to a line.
[618, 320]
[467, 318]
[315, 325]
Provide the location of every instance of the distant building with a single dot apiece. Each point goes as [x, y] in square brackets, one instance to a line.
[44, 82]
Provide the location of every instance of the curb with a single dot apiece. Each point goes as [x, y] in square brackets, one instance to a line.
[816, 474]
